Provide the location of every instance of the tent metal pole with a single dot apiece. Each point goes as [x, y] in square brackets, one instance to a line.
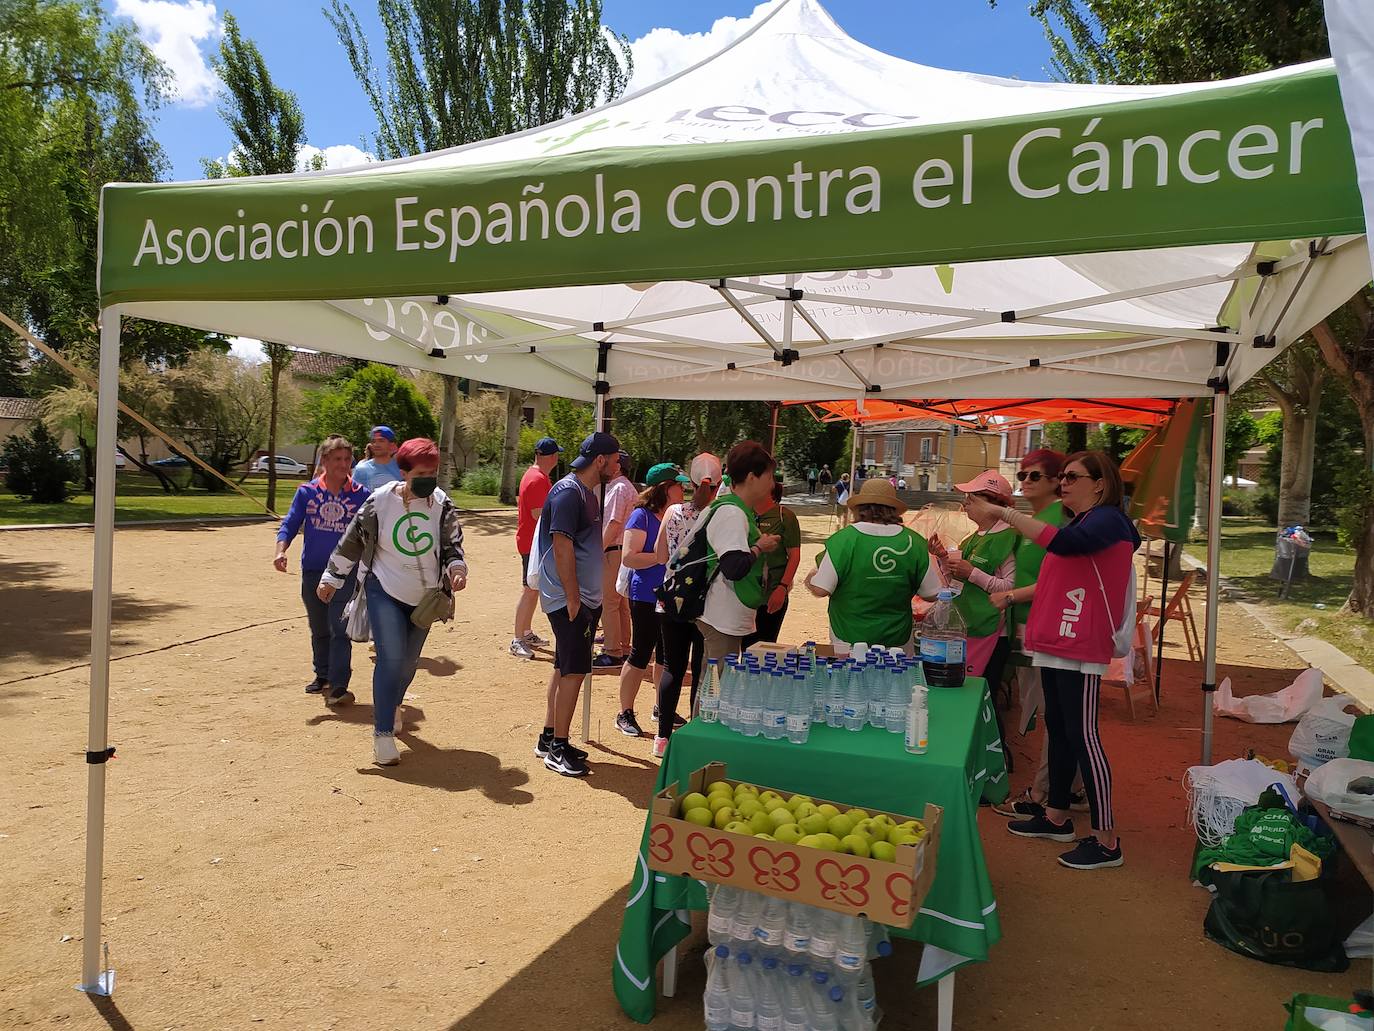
[1163, 605]
[1209, 649]
[93, 979]
[601, 420]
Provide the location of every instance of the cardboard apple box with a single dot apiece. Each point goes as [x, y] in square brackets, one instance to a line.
[823, 651]
[886, 893]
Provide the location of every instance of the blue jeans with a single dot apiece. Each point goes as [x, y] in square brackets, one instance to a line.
[330, 647]
[399, 643]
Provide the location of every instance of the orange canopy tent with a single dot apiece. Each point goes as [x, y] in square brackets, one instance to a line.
[1122, 412]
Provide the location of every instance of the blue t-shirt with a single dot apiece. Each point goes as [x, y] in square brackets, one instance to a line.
[324, 515]
[373, 474]
[574, 511]
[643, 582]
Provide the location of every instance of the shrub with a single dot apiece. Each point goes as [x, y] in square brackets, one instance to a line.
[1239, 503]
[36, 468]
[1267, 505]
[482, 479]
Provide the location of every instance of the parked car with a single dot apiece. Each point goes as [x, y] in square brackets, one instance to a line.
[287, 466]
[75, 455]
[175, 462]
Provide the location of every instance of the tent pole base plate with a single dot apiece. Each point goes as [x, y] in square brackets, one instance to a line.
[104, 984]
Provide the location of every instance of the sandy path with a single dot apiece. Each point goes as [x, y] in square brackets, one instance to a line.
[260, 872]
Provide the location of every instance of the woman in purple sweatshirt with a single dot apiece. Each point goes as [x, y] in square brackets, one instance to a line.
[1080, 599]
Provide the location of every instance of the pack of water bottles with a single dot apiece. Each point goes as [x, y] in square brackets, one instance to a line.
[775, 965]
[780, 697]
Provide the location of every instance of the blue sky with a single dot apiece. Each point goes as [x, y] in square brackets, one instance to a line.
[303, 55]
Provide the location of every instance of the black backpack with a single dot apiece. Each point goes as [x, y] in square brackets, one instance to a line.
[683, 591]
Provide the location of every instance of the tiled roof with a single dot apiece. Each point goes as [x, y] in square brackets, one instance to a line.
[18, 408]
[906, 426]
[316, 365]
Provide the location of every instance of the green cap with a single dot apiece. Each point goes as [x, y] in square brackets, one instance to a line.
[666, 472]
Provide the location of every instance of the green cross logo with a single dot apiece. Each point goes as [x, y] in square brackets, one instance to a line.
[420, 541]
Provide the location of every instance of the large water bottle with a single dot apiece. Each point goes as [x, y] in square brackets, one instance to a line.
[768, 997]
[742, 1000]
[834, 694]
[824, 1016]
[917, 738]
[880, 674]
[798, 710]
[866, 1002]
[820, 687]
[796, 939]
[729, 694]
[879, 942]
[775, 705]
[851, 948]
[719, 918]
[772, 927]
[944, 643]
[796, 1014]
[746, 921]
[717, 998]
[708, 697]
[751, 704]
[823, 933]
[855, 699]
[899, 683]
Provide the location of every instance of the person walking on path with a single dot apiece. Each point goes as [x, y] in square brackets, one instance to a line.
[322, 510]
[779, 565]
[409, 537]
[621, 497]
[735, 548]
[534, 489]
[682, 642]
[639, 555]
[379, 468]
[812, 477]
[1039, 480]
[568, 550]
[825, 479]
[870, 570]
[1081, 600]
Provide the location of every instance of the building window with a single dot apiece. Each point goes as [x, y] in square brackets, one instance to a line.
[527, 415]
[1037, 433]
[925, 449]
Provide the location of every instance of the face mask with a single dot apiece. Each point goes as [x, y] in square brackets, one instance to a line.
[424, 486]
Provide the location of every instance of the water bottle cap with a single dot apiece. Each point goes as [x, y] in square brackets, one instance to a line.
[884, 948]
[837, 994]
[722, 951]
[795, 969]
[820, 976]
[745, 959]
[769, 962]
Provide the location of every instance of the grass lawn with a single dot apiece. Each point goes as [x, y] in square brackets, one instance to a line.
[1247, 553]
[140, 497]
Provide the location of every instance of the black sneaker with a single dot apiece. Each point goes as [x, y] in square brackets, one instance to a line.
[1042, 827]
[1091, 854]
[315, 686]
[1079, 802]
[678, 721]
[626, 723]
[608, 661]
[542, 745]
[1022, 807]
[340, 696]
[561, 759]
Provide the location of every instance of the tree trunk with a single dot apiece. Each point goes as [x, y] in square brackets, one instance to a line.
[515, 401]
[448, 422]
[1077, 435]
[274, 372]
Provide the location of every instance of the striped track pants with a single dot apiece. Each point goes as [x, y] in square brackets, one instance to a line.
[1071, 701]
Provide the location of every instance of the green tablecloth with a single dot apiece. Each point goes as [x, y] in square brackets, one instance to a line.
[958, 921]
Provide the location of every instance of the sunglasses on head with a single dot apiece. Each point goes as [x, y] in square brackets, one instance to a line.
[1074, 477]
[1034, 475]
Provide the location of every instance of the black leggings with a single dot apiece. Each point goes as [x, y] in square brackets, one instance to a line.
[682, 646]
[1071, 725]
[645, 633]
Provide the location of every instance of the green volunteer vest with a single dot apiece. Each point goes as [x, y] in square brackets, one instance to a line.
[877, 577]
[986, 552]
[1030, 555]
[749, 588]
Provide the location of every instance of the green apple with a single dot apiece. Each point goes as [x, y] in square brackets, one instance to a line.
[804, 810]
[738, 827]
[857, 814]
[914, 826]
[723, 816]
[883, 851]
[813, 824]
[781, 817]
[696, 800]
[760, 823]
[870, 828]
[719, 785]
[797, 800]
[701, 816]
[747, 788]
[840, 826]
[883, 820]
[718, 802]
[809, 841]
[789, 833]
[774, 804]
[828, 842]
[765, 796]
[903, 837]
[856, 845]
[748, 807]
[828, 809]
[765, 836]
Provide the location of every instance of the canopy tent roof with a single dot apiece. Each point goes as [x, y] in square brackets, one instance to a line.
[1001, 413]
[766, 224]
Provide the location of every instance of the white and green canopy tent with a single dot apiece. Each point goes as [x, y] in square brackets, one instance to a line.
[798, 217]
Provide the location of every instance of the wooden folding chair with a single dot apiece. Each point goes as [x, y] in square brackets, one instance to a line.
[1180, 610]
[1140, 643]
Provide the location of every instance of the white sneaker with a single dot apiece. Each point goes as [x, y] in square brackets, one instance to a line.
[534, 640]
[520, 649]
[384, 751]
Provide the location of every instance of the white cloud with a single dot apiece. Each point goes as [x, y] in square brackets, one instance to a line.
[342, 155]
[176, 32]
[247, 348]
[660, 53]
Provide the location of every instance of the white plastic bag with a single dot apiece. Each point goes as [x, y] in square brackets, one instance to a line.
[356, 622]
[1330, 783]
[1281, 707]
[622, 581]
[1217, 794]
[1360, 944]
[1323, 733]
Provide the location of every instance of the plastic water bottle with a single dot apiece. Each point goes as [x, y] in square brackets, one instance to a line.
[877, 694]
[745, 921]
[717, 997]
[899, 684]
[917, 722]
[742, 1002]
[796, 938]
[823, 934]
[771, 931]
[851, 948]
[767, 997]
[724, 905]
[855, 699]
[820, 687]
[796, 1014]
[824, 1016]
[866, 1002]
[798, 710]
[729, 694]
[775, 705]
[708, 698]
[751, 704]
[833, 708]
[944, 643]
[879, 943]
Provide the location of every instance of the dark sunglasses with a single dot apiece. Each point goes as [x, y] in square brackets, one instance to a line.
[1075, 477]
[1034, 475]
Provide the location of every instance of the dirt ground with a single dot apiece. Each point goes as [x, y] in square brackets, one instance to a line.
[260, 872]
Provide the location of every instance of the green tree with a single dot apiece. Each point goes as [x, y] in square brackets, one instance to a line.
[374, 395]
[458, 71]
[222, 403]
[269, 131]
[35, 467]
[568, 422]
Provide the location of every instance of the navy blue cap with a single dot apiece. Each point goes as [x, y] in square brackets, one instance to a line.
[385, 431]
[547, 446]
[594, 447]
